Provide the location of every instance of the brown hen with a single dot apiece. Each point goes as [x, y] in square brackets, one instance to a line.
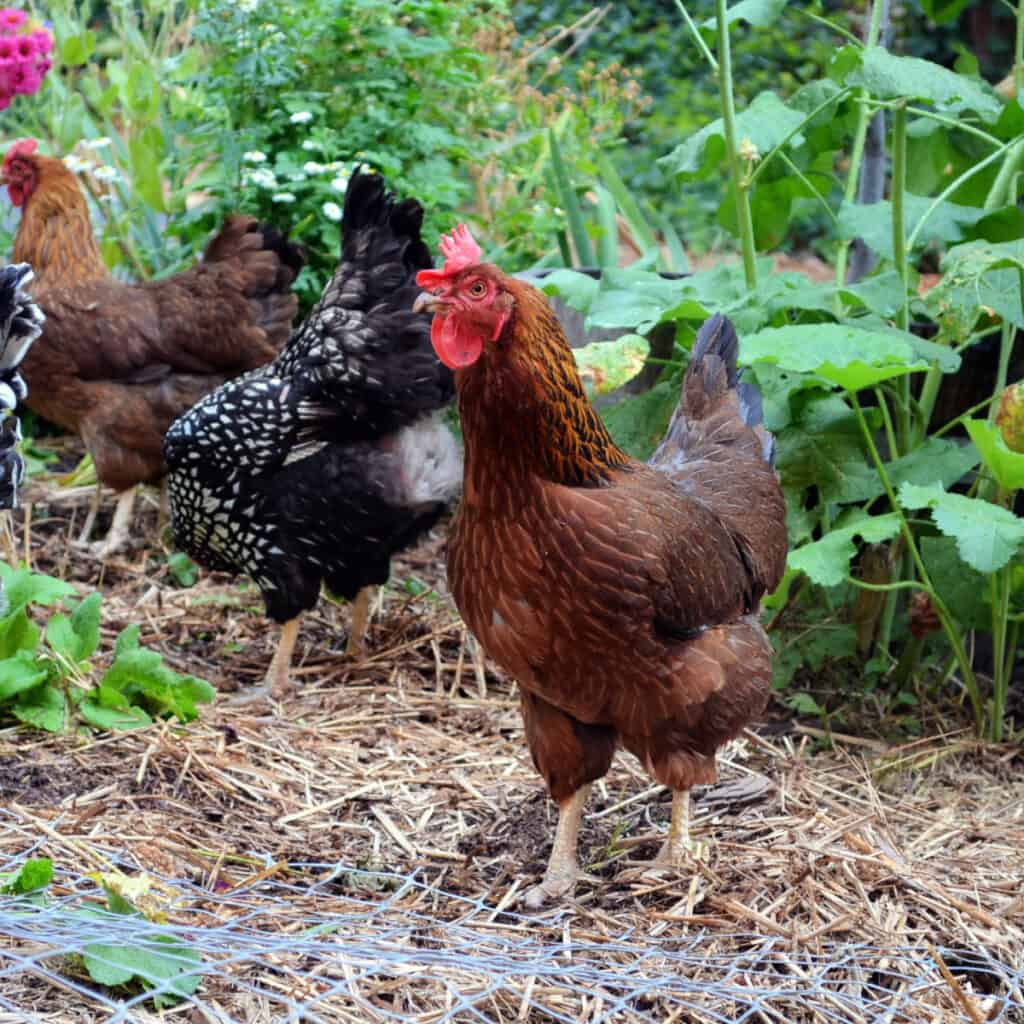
[119, 362]
[622, 596]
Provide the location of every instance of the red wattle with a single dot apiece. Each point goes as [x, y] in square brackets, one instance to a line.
[455, 346]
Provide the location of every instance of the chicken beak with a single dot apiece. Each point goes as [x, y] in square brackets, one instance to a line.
[429, 303]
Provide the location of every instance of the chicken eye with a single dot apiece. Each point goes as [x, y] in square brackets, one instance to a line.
[478, 289]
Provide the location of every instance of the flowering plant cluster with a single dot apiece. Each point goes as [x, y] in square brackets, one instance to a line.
[24, 55]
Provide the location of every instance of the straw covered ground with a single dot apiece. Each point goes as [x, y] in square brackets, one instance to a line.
[358, 853]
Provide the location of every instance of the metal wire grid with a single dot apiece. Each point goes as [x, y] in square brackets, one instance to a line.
[288, 952]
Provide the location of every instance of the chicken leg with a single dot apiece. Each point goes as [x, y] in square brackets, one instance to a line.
[90, 516]
[118, 534]
[277, 682]
[679, 848]
[360, 621]
[560, 877]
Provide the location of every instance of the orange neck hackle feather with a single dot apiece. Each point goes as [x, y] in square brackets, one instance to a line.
[524, 410]
[55, 235]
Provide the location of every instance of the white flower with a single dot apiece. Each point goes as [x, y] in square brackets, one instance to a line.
[248, 5]
[283, 197]
[312, 167]
[332, 211]
[95, 143]
[106, 174]
[301, 117]
[76, 164]
[310, 146]
[254, 156]
[263, 178]
[296, 176]
[340, 183]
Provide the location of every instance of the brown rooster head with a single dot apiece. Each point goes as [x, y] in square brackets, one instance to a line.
[470, 300]
[21, 170]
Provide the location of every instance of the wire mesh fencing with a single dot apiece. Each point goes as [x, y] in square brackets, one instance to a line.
[327, 942]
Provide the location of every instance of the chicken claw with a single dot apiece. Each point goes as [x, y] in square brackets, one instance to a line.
[120, 529]
[560, 877]
[679, 849]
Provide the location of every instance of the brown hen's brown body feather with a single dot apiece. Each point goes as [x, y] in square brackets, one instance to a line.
[622, 596]
[118, 362]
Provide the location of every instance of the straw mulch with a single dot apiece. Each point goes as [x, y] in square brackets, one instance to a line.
[406, 762]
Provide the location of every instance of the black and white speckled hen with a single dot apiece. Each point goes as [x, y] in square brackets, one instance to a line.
[318, 467]
[21, 322]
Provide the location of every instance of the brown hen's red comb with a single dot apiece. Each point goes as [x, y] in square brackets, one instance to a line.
[459, 250]
[23, 147]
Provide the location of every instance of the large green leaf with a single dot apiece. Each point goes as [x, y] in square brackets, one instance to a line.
[18, 633]
[85, 621]
[759, 13]
[890, 77]
[963, 590]
[146, 176]
[849, 356]
[827, 561]
[22, 587]
[19, 673]
[607, 365]
[163, 963]
[882, 293]
[35, 874]
[947, 224]
[44, 707]
[766, 122]
[1005, 465]
[987, 536]
[577, 289]
[638, 423]
[937, 460]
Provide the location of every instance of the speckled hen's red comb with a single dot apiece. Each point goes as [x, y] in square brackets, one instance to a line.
[23, 147]
[459, 250]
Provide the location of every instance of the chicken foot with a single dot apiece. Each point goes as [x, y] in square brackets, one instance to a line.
[120, 529]
[679, 848]
[560, 877]
[360, 622]
[90, 516]
[277, 682]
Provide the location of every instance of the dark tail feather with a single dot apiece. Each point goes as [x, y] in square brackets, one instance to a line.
[368, 205]
[703, 414]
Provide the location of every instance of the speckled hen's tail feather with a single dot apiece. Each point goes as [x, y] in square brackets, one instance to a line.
[712, 378]
[269, 264]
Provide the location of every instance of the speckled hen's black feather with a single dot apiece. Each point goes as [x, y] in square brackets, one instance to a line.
[294, 473]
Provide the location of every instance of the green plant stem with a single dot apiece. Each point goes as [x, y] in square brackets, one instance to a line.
[1000, 192]
[890, 433]
[743, 216]
[926, 403]
[949, 122]
[897, 191]
[999, 591]
[1008, 337]
[797, 173]
[857, 150]
[697, 37]
[831, 26]
[948, 623]
[1018, 54]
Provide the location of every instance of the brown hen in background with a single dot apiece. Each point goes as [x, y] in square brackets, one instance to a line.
[118, 362]
[622, 596]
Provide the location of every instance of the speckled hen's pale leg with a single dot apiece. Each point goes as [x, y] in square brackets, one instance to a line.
[360, 622]
[560, 876]
[277, 681]
[120, 528]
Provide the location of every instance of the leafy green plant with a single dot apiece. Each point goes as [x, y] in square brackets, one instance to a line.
[848, 381]
[47, 677]
[162, 964]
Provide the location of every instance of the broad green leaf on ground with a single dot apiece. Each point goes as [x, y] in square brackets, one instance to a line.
[633, 299]
[607, 365]
[827, 561]
[1005, 465]
[883, 293]
[19, 673]
[760, 13]
[987, 536]
[963, 590]
[887, 76]
[34, 874]
[823, 448]
[44, 707]
[979, 279]
[163, 963]
[61, 636]
[22, 587]
[577, 289]
[790, 289]
[937, 460]
[848, 356]
[778, 388]
[947, 224]
[85, 621]
[766, 122]
[18, 633]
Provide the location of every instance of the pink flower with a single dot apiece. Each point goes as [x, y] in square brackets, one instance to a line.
[11, 20]
[27, 80]
[26, 46]
[8, 49]
[44, 41]
[44, 65]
